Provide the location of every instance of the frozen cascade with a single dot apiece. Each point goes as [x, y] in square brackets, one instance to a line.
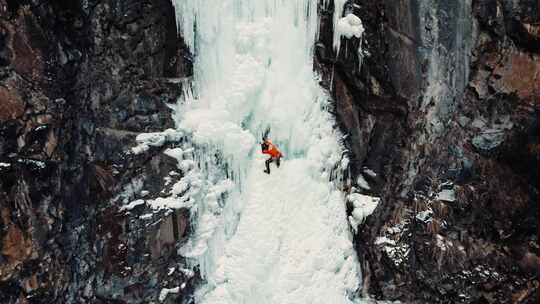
[258, 238]
[446, 31]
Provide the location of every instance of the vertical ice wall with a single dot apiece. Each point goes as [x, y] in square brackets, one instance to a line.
[446, 31]
[279, 238]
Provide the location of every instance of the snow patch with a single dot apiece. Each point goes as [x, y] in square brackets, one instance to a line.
[174, 153]
[370, 172]
[382, 240]
[425, 216]
[363, 205]
[155, 139]
[132, 205]
[447, 195]
[362, 183]
[37, 163]
[146, 216]
[350, 26]
[166, 291]
[169, 203]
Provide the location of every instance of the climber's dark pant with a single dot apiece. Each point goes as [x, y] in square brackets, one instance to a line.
[268, 161]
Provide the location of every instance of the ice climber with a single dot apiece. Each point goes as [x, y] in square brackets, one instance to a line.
[269, 148]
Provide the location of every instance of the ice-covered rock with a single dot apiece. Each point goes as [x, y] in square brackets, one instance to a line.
[350, 26]
[488, 140]
[132, 205]
[447, 195]
[166, 291]
[363, 206]
[362, 183]
[425, 216]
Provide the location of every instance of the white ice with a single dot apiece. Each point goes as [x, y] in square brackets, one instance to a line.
[292, 244]
[166, 291]
[132, 205]
[258, 238]
[447, 195]
[363, 206]
[350, 26]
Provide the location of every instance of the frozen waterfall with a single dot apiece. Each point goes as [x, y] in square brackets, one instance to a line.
[258, 238]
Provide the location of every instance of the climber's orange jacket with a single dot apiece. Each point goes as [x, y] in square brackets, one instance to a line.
[271, 149]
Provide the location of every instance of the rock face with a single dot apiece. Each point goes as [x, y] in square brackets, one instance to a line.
[441, 106]
[78, 81]
[442, 103]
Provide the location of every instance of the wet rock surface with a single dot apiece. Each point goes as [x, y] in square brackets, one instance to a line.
[443, 107]
[79, 80]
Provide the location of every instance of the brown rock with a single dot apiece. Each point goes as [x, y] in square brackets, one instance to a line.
[50, 145]
[15, 246]
[530, 262]
[11, 105]
[532, 29]
[27, 59]
[520, 73]
[31, 283]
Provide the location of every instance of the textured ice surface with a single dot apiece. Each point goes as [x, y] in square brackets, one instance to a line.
[363, 206]
[350, 26]
[258, 238]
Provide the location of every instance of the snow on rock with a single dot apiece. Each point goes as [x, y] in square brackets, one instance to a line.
[155, 139]
[180, 187]
[152, 139]
[425, 216]
[174, 153]
[169, 203]
[447, 195]
[362, 183]
[166, 291]
[36, 163]
[140, 149]
[398, 254]
[146, 216]
[370, 172]
[363, 205]
[5, 165]
[132, 205]
[393, 244]
[382, 240]
[129, 190]
[350, 26]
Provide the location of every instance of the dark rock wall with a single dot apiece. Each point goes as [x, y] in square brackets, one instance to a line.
[445, 109]
[78, 81]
